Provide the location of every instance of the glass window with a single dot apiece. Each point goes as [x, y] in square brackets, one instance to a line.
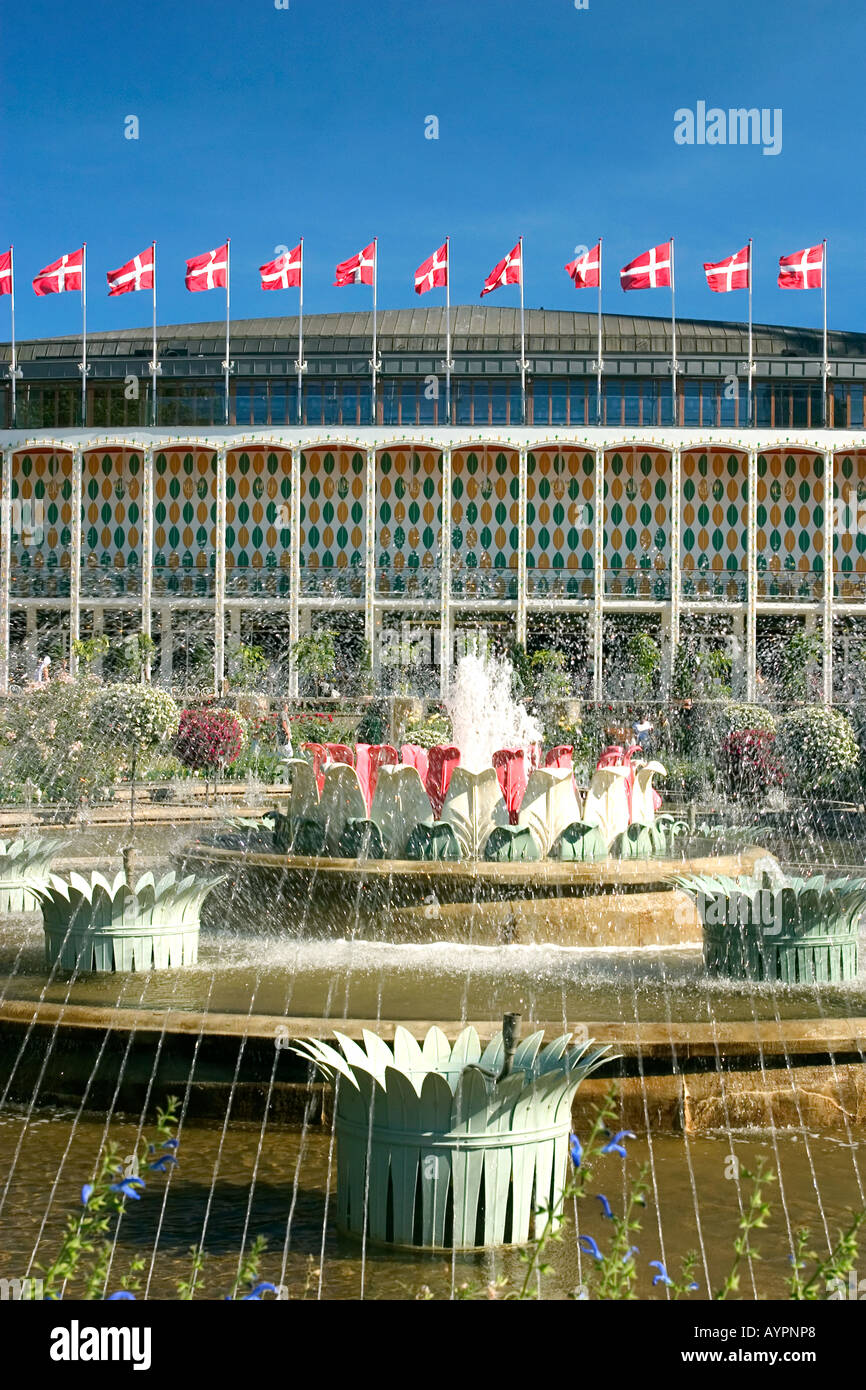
[429, 401]
[480, 403]
[243, 399]
[280, 402]
[390, 398]
[612, 401]
[498, 402]
[631, 397]
[312, 402]
[463, 401]
[260, 403]
[558, 403]
[691, 402]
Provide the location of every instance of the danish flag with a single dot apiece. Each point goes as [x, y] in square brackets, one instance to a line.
[285, 271]
[61, 275]
[651, 271]
[137, 274]
[6, 271]
[585, 269]
[802, 270]
[731, 274]
[433, 272]
[358, 269]
[508, 272]
[208, 271]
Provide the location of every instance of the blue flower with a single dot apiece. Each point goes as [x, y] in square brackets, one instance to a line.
[605, 1206]
[86, 1193]
[170, 1144]
[662, 1276]
[614, 1146]
[575, 1149]
[122, 1293]
[632, 1250]
[162, 1164]
[590, 1247]
[127, 1186]
[255, 1294]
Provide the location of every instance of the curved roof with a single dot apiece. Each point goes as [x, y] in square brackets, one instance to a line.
[474, 328]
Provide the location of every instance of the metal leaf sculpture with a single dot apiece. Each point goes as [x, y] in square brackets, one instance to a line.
[25, 866]
[436, 1148]
[101, 925]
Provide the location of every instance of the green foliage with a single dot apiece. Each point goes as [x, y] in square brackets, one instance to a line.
[135, 717]
[522, 668]
[738, 718]
[430, 732]
[690, 778]
[53, 740]
[375, 724]
[819, 750]
[248, 666]
[315, 655]
[644, 658]
[87, 649]
[549, 671]
[796, 654]
[134, 653]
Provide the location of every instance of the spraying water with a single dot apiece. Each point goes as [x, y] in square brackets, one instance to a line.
[484, 714]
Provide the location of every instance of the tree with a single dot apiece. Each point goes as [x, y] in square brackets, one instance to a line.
[315, 656]
[136, 718]
[644, 659]
[208, 739]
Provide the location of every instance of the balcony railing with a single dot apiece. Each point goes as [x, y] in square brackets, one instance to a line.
[559, 583]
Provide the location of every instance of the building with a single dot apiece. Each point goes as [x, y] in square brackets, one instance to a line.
[200, 533]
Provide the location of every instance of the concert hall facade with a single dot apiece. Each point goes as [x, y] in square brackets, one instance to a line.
[675, 520]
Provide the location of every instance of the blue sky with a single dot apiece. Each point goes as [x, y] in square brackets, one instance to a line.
[557, 123]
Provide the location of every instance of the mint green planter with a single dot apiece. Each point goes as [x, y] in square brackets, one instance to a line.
[799, 931]
[95, 925]
[25, 867]
[458, 1159]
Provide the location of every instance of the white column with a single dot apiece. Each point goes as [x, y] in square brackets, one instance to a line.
[75, 558]
[219, 627]
[147, 549]
[5, 566]
[522, 484]
[676, 544]
[166, 645]
[295, 567]
[445, 564]
[829, 577]
[598, 572]
[97, 629]
[370, 562]
[752, 578]
[738, 652]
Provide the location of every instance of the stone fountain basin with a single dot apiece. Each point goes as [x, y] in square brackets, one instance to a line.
[612, 903]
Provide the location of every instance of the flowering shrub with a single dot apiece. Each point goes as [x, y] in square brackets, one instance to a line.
[136, 717]
[52, 741]
[744, 718]
[750, 762]
[819, 750]
[208, 739]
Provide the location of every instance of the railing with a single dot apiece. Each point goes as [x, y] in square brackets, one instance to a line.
[485, 583]
[410, 583]
[715, 584]
[331, 582]
[267, 582]
[790, 584]
[185, 583]
[637, 583]
[559, 583]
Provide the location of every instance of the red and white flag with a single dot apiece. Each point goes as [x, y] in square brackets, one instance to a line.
[651, 271]
[730, 274]
[358, 269]
[208, 271]
[507, 272]
[433, 272]
[802, 270]
[61, 275]
[584, 270]
[285, 271]
[137, 274]
[6, 271]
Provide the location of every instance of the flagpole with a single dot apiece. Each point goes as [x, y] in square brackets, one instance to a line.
[673, 343]
[448, 330]
[826, 374]
[522, 341]
[598, 365]
[373, 359]
[227, 364]
[84, 336]
[153, 365]
[751, 410]
[14, 369]
[300, 362]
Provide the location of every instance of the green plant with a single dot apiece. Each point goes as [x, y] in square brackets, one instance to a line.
[549, 671]
[433, 730]
[737, 718]
[819, 750]
[134, 655]
[87, 649]
[248, 666]
[797, 653]
[644, 658]
[315, 656]
[136, 718]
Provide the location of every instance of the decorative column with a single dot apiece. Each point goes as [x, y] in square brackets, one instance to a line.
[752, 578]
[522, 487]
[445, 566]
[598, 579]
[370, 562]
[75, 558]
[166, 645]
[829, 576]
[5, 566]
[219, 626]
[295, 567]
[147, 550]
[676, 543]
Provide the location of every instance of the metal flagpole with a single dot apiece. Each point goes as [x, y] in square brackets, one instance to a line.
[599, 363]
[84, 336]
[673, 343]
[300, 362]
[373, 360]
[522, 341]
[13, 371]
[751, 419]
[154, 367]
[227, 363]
[826, 373]
[448, 330]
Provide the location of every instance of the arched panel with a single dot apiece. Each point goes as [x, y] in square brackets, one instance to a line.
[258, 521]
[112, 483]
[185, 519]
[637, 531]
[789, 519]
[849, 523]
[485, 519]
[560, 517]
[332, 522]
[714, 523]
[409, 522]
[42, 514]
